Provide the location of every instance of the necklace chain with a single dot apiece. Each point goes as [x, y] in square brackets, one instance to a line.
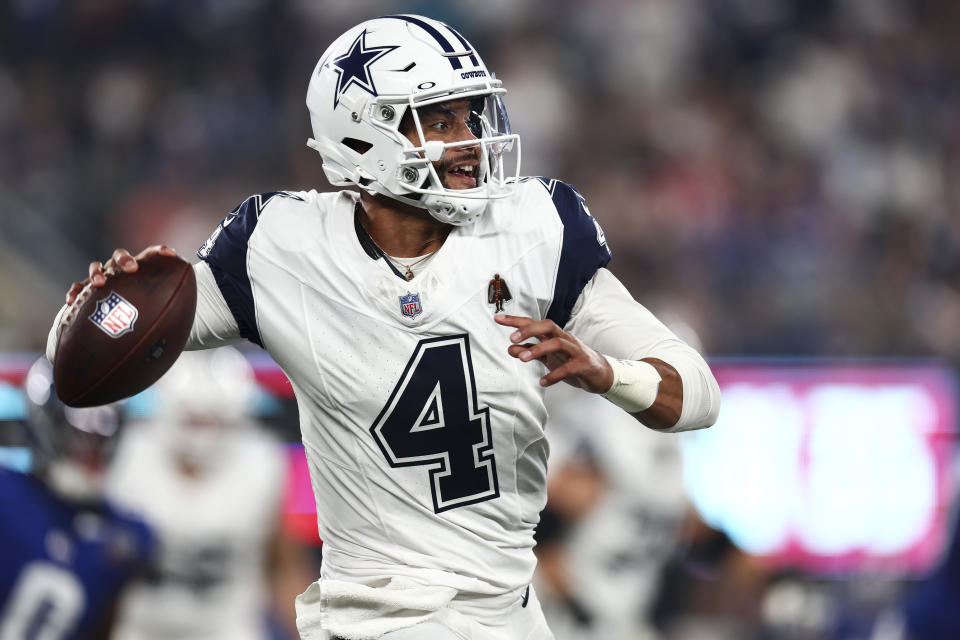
[407, 266]
[374, 250]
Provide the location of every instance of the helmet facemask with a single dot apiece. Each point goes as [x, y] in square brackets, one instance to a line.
[497, 150]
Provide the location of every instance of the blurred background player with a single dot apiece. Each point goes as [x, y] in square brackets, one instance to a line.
[614, 517]
[67, 553]
[211, 483]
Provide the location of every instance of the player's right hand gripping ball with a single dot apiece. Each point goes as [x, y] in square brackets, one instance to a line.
[121, 337]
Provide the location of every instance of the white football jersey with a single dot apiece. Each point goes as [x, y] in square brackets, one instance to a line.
[424, 437]
[213, 531]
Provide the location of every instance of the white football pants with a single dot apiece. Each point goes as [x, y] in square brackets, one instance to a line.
[519, 623]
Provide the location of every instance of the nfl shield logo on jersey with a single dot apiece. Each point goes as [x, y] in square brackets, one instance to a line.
[410, 305]
[114, 315]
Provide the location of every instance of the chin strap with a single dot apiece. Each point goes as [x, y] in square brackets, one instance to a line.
[453, 210]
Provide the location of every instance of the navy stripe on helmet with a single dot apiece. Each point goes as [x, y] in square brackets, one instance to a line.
[466, 45]
[442, 41]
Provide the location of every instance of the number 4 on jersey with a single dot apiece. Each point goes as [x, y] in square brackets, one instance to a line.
[432, 420]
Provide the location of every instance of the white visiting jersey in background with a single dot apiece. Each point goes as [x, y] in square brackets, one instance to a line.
[614, 555]
[213, 530]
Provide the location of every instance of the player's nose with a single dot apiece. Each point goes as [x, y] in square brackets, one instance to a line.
[464, 132]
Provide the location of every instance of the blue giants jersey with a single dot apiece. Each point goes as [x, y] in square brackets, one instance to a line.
[62, 566]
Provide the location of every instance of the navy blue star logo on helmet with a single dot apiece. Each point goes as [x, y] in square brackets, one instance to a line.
[353, 67]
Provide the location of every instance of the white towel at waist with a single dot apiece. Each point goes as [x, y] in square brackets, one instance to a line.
[330, 608]
[334, 608]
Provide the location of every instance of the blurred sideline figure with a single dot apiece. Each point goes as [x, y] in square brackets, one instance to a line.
[66, 552]
[210, 482]
[615, 514]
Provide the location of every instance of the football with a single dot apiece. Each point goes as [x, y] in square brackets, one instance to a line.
[120, 338]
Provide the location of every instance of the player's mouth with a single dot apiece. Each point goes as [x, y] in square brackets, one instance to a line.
[462, 175]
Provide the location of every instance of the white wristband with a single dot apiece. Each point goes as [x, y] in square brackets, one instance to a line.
[635, 384]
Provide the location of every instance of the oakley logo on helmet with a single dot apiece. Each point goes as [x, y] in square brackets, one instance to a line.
[353, 67]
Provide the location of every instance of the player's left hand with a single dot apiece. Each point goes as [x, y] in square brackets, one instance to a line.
[567, 358]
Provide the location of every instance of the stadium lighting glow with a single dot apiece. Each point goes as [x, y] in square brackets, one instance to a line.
[828, 468]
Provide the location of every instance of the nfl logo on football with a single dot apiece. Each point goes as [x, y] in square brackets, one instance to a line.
[410, 305]
[114, 315]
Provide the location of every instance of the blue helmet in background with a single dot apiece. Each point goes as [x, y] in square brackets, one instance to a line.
[71, 447]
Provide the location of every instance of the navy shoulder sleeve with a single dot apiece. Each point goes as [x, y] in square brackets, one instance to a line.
[584, 249]
[226, 253]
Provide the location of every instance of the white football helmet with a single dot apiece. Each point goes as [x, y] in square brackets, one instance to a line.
[376, 73]
[204, 398]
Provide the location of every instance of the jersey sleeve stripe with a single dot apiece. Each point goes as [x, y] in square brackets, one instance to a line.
[239, 297]
[583, 252]
[226, 253]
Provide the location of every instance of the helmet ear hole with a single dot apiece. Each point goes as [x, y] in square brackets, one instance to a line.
[360, 146]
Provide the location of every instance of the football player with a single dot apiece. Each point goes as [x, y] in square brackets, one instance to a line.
[67, 553]
[421, 402]
[210, 483]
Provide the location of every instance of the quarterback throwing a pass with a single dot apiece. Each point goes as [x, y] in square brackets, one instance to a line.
[421, 401]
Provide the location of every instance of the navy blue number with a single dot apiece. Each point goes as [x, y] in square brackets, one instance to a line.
[432, 420]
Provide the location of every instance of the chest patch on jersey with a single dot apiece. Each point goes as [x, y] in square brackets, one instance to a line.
[498, 292]
[410, 305]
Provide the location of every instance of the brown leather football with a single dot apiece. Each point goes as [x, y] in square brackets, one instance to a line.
[121, 337]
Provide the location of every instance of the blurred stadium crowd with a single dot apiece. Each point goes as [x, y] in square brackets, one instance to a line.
[774, 176]
[775, 173]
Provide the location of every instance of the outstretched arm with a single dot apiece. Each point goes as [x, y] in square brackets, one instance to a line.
[614, 346]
